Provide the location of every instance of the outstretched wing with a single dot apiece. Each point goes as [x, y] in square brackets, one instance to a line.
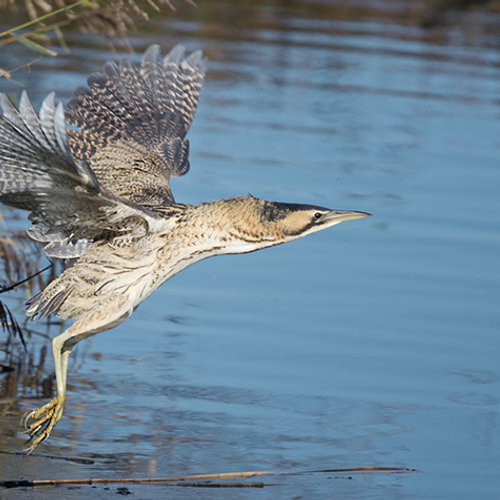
[131, 123]
[69, 208]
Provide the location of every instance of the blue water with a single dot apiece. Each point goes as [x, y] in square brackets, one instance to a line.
[375, 343]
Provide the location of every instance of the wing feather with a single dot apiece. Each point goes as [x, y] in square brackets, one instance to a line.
[130, 123]
[69, 207]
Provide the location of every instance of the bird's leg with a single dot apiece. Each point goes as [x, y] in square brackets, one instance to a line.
[44, 418]
[103, 316]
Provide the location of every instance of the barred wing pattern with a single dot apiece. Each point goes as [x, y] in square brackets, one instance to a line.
[69, 208]
[130, 124]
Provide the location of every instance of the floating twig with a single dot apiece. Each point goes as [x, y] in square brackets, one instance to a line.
[193, 480]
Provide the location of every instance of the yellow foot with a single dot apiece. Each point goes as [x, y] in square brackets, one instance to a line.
[44, 419]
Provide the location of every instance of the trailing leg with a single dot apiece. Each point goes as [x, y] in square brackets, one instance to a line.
[38, 423]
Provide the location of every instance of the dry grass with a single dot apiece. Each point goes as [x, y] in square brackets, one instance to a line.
[20, 257]
[25, 272]
[111, 18]
[46, 19]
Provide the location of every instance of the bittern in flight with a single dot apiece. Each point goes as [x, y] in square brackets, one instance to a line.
[98, 193]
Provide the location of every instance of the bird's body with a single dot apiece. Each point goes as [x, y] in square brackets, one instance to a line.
[98, 193]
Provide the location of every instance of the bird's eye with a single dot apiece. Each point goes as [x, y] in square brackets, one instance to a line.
[317, 215]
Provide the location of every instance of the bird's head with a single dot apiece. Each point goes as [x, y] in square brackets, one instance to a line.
[254, 223]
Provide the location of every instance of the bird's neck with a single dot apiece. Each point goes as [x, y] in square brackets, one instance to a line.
[220, 227]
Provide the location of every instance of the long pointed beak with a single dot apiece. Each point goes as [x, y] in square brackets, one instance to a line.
[336, 216]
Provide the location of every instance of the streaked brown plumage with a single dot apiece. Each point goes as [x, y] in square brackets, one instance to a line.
[98, 192]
